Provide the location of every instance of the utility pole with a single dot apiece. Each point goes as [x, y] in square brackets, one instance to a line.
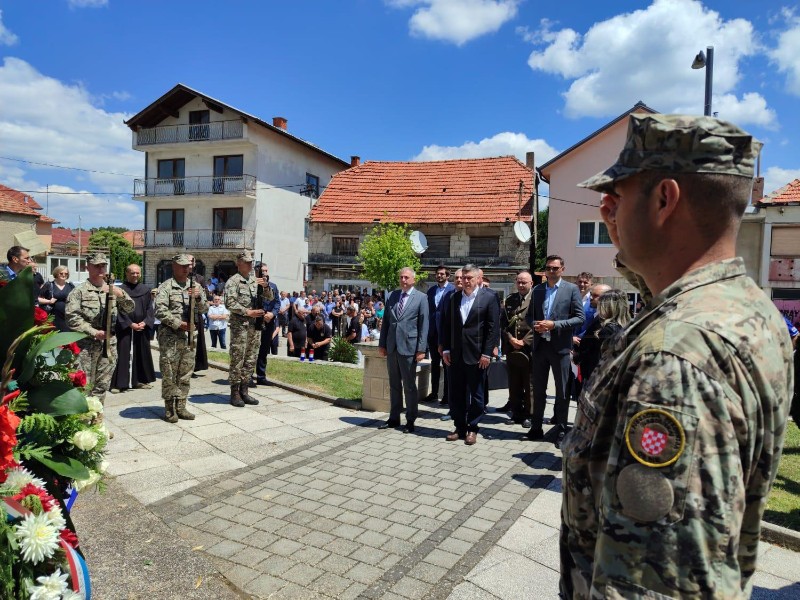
[534, 220]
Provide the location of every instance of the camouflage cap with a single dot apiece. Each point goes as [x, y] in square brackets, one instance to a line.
[245, 255]
[97, 258]
[679, 144]
[182, 259]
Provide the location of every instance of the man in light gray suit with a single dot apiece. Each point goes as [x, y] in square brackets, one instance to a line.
[404, 340]
[556, 309]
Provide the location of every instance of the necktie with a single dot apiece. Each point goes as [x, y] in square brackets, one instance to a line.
[401, 305]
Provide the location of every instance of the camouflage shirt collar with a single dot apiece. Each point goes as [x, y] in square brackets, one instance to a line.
[710, 273]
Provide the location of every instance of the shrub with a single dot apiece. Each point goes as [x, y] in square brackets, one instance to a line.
[342, 351]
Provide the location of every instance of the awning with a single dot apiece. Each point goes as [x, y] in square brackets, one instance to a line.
[28, 239]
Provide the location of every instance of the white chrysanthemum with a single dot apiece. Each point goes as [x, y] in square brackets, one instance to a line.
[95, 406]
[19, 477]
[85, 439]
[70, 595]
[37, 538]
[51, 587]
[93, 478]
[56, 518]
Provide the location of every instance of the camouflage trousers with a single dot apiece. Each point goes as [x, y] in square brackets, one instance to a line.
[98, 369]
[243, 349]
[176, 361]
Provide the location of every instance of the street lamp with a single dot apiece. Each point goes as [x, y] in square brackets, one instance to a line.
[706, 60]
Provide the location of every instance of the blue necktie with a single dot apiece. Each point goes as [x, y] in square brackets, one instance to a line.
[401, 304]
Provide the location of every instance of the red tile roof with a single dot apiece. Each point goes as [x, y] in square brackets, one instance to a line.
[12, 201]
[135, 237]
[473, 190]
[63, 236]
[788, 194]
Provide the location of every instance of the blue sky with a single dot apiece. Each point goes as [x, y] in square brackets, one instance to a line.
[382, 79]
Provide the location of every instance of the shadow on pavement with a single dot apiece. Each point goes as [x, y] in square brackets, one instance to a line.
[208, 399]
[142, 412]
[361, 421]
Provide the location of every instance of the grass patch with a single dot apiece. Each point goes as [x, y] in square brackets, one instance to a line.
[326, 378]
[783, 506]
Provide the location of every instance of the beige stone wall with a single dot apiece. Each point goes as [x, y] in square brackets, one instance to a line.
[209, 258]
[10, 225]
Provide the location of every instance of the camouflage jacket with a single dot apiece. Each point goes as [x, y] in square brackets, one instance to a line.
[172, 303]
[676, 443]
[86, 306]
[239, 294]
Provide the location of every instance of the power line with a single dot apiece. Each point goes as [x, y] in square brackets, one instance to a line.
[32, 162]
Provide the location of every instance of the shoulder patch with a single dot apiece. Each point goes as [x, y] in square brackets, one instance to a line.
[655, 438]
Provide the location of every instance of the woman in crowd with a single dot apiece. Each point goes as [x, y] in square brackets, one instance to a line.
[336, 318]
[613, 314]
[53, 297]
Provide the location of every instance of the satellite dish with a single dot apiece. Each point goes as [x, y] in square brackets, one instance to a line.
[418, 242]
[522, 231]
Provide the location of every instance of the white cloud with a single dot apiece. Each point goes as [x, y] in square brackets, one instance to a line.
[777, 177]
[47, 121]
[787, 52]
[501, 144]
[7, 38]
[87, 3]
[646, 55]
[457, 21]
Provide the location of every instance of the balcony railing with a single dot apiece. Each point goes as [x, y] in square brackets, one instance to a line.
[178, 134]
[200, 238]
[240, 185]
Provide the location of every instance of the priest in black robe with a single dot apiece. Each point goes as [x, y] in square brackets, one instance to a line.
[134, 359]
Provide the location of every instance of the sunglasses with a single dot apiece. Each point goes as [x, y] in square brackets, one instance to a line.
[552, 269]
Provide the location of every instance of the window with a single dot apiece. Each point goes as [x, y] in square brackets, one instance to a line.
[345, 246]
[312, 185]
[224, 269]
[484, 246]
[227, 218]
[438, 246]
[170, 219]
[228, 171]
[593, 233]
[171, 177]
[164, 271]
[169, 228]
[198, 124]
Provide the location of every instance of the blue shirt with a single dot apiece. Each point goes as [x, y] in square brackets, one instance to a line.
[549, 297]
[11, 273]
[792, 329]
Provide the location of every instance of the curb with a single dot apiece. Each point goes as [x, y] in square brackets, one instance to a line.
[341, 402]
[781, 536]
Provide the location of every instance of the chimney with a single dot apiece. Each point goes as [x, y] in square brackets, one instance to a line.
[355, 161]
[529, 160]
[279, 122]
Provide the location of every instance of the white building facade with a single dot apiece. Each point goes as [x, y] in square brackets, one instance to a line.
[218, 181]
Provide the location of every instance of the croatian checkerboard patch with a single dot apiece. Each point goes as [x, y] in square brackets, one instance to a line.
[655, 438]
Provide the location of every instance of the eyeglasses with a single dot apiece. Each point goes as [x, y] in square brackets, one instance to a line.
[552, 269]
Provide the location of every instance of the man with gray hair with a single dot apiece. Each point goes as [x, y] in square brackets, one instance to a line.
[679, 431]
[403, 341]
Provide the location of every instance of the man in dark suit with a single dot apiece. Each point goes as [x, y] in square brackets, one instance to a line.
[556, 309]
[437, 300]
[404, 339]
[272, 306]
[470, 332]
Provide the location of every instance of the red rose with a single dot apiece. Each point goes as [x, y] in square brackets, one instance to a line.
[69, 537]
[74, 348]
[8, 436]
[39, 316]
[78, 378]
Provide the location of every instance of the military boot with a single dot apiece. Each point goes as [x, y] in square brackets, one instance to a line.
[180, 410]
[246, 397]
[169, 411]
[236, 398]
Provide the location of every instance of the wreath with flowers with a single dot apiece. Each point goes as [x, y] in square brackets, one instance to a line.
[52, 445]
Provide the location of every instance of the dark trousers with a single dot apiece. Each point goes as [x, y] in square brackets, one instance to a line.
[519, 391]
[265, 348]
[402, 381]
[437, 366]
[217, 335]
[543, 360]
[466, 396]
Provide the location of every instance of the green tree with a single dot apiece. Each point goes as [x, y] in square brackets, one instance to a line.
[110, 228]
[121, 252]
[385, 250]
[541, 246]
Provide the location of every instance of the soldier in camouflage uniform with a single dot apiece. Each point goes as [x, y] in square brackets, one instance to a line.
[85, 312]
[680, 428]
[240, 292]
[176, 358]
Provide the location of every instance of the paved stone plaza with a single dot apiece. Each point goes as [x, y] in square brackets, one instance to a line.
[295, 498]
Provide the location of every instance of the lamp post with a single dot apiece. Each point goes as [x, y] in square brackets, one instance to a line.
[706, 60]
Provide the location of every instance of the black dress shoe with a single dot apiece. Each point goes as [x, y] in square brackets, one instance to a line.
[431, 398]
[551, 421]
[506, 408]
[388, 425]
[444, 402]
[562, 433]
[533, 435]
[409, 428]
[262, 381]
